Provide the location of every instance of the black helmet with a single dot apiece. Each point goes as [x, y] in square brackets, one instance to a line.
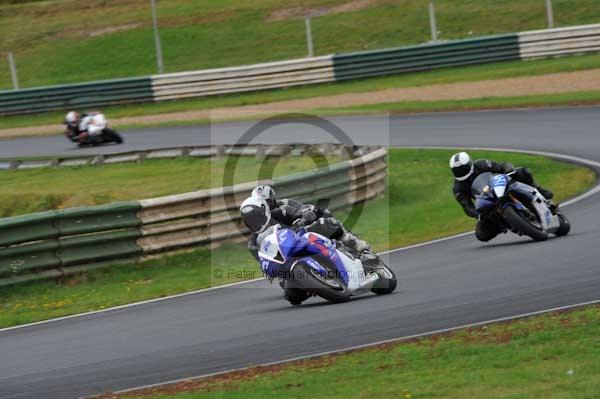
[255, 214]
[462, 166]
[266, 193]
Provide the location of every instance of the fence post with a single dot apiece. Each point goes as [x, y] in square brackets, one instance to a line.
[309, 38]
[432, 22]
[549, 13]
[159, 56]
[13, 71]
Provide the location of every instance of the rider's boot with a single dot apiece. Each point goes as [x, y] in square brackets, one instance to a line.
[545, 192]
[354, 243]
[295, 296]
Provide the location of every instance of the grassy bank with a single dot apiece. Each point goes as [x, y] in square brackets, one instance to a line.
[49, 37]
[418, 79]
[418, 206]
[553, 356]
[485, 103]
[27, 191]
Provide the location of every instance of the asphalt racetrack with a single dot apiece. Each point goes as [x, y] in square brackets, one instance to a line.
[441, 285]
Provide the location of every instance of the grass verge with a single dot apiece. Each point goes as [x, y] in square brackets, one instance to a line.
[35, 190]
[441, 76]
[485, 103]
[552, 356]
[49, 37]
[418, 206]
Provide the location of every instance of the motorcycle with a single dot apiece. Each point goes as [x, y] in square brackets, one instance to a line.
[320, 266]
[517, 207]
[96, 125]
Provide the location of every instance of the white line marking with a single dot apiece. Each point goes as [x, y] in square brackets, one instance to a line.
[422, 244]
[363, 346]
[184, 294]
[574, 159]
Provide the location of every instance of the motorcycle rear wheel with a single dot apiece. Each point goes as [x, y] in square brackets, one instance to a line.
[565, 226]
[315, 284]
[112, 136]
[518, 222]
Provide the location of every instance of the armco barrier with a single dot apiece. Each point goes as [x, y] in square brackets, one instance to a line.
[513, 46]
[204, 151]
[57, 243]
[52, 240]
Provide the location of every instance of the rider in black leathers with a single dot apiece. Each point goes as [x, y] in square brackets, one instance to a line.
[466, 170]
[289, 212]
[72, 126]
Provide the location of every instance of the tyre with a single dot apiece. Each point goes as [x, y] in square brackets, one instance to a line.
[331, 289]
[387, 280]
[516, 221]
[565, 226]
[112, 136]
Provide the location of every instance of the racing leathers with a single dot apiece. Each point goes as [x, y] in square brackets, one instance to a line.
[289, 212]
[487, 229]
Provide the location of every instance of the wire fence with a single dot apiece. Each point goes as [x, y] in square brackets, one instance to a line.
[160, 37]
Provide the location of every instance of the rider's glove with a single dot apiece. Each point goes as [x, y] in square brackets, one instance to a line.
[508, 167]
[299, 223]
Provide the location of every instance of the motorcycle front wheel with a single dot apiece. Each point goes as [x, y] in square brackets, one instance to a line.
[387, 280]
[112, 136]
[330, 289]
[522, 225]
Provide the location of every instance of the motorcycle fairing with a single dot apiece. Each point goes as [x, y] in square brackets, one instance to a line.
[549, 221]
[499, 183]
[482, 204]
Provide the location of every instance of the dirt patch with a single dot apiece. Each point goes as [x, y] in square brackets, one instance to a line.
[112, 29]
[205, 18]
[214, 383]
[302, 12]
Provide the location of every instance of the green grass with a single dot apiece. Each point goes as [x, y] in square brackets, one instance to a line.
[35, 190]
[484, 103]
[555, 356]
[418, 206]
[441, 76]
[64, 41]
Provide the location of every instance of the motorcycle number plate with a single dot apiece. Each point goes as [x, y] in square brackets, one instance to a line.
[269, 249]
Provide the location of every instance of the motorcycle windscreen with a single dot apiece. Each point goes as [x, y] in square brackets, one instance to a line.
[480, 183]
[499, 183]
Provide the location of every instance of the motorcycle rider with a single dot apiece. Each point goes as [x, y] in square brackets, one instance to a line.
[80, 127]
[289, 212]
[465, 170]
[263, 209]
[72, 125]
[256, 215]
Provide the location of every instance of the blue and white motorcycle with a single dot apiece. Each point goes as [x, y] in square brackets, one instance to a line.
[517, 207]
[320, 266]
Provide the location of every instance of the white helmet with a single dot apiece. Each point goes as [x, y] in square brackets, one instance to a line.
[72, 118]
[255, 214]
[266, 193]
[462, 166]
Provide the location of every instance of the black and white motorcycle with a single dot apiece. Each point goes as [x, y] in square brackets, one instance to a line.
[97, 132]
